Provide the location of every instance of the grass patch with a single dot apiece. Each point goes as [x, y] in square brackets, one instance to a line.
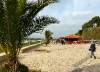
[25, 44]
[31, 43]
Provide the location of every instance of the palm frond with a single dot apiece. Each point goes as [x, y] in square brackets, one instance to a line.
[31, 10]
[38, 23]
[10, 14]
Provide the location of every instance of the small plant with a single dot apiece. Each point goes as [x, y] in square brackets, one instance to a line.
[14, 68]
[48, 36]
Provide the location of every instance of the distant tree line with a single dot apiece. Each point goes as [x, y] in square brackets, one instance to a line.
[34, 38]
[91, 29]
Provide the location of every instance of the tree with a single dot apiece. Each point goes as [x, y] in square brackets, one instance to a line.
[48, 36]
[89, 27]
[18, 20]
[79, 33]
[94, 22]
[94, 33]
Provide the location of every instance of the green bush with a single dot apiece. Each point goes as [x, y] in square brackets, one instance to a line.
[20, 68]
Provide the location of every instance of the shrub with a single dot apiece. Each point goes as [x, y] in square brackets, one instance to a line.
[19, 68]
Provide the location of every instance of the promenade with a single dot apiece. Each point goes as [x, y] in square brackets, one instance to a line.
[62, 58]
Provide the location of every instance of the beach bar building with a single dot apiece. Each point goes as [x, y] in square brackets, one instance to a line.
[73, 38]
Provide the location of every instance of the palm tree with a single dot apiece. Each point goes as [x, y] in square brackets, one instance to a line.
[18, 20]
[48, 36]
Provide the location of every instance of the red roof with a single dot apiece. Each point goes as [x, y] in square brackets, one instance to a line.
[73, 36]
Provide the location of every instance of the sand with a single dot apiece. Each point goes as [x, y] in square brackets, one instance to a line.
[62, 58]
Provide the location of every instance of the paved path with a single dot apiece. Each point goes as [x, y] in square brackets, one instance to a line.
[62, 58]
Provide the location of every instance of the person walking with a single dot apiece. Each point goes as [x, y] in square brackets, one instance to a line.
[92, 49]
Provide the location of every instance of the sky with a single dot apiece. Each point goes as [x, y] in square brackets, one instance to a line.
[72, 14]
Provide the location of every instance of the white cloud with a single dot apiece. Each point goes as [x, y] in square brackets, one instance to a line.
[77, 15]
[77, 18]
[84, 5]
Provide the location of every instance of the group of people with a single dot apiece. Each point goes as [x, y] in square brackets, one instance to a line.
[55, 41]
[62, 41]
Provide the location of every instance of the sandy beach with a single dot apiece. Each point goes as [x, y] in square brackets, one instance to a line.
[62, 58]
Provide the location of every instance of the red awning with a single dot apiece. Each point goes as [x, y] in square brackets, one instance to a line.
[73, 36]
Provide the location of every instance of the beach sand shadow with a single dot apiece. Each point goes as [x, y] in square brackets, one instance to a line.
[92, 68]
[81, 61]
